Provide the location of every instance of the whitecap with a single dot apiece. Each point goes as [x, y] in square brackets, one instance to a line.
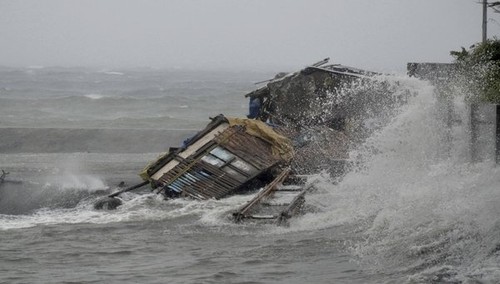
[112, 73]
[94, 96]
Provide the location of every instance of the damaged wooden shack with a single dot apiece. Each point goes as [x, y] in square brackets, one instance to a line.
[326, 110]
[224, 158]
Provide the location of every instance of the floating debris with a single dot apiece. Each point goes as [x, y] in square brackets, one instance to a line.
[3, 179]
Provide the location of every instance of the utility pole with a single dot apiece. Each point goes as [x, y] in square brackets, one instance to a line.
[474, 106]
[485, 19]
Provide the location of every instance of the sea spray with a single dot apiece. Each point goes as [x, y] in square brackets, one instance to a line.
[411, 209]
[61, 184]
[71, 174]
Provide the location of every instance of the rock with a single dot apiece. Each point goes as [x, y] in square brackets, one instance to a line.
[107, 203]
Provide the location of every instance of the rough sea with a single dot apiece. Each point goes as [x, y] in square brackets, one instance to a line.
[405, 213]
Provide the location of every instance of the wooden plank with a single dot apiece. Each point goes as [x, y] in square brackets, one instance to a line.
[262, 217]
[242, 212]
[293, 206]
[191, 149]
[290, 187]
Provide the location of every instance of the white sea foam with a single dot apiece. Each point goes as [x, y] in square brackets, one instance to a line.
[112, 73]
[136, 207]
[94, 96]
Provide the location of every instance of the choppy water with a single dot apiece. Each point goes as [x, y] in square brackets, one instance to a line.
[406, 213]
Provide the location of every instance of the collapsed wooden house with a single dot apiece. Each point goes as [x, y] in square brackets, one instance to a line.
[229, 156]
[224, 158]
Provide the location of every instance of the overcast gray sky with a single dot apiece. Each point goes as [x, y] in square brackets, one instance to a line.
[244, 34]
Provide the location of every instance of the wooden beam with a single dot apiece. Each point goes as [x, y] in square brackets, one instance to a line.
[242, 212]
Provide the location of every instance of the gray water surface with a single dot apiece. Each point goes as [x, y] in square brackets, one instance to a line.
[405, 215]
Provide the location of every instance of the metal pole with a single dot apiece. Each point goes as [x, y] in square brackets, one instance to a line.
[485, 20]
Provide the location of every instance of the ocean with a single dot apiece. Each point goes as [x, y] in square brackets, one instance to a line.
[405, 213]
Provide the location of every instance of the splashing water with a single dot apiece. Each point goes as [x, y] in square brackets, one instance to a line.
[66, 183]
[415, 204]
[70, 174]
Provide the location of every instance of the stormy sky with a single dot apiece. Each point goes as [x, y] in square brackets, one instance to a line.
[237, 34]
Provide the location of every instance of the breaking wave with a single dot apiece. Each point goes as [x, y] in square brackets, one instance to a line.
[94, 96]
[414, 203]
